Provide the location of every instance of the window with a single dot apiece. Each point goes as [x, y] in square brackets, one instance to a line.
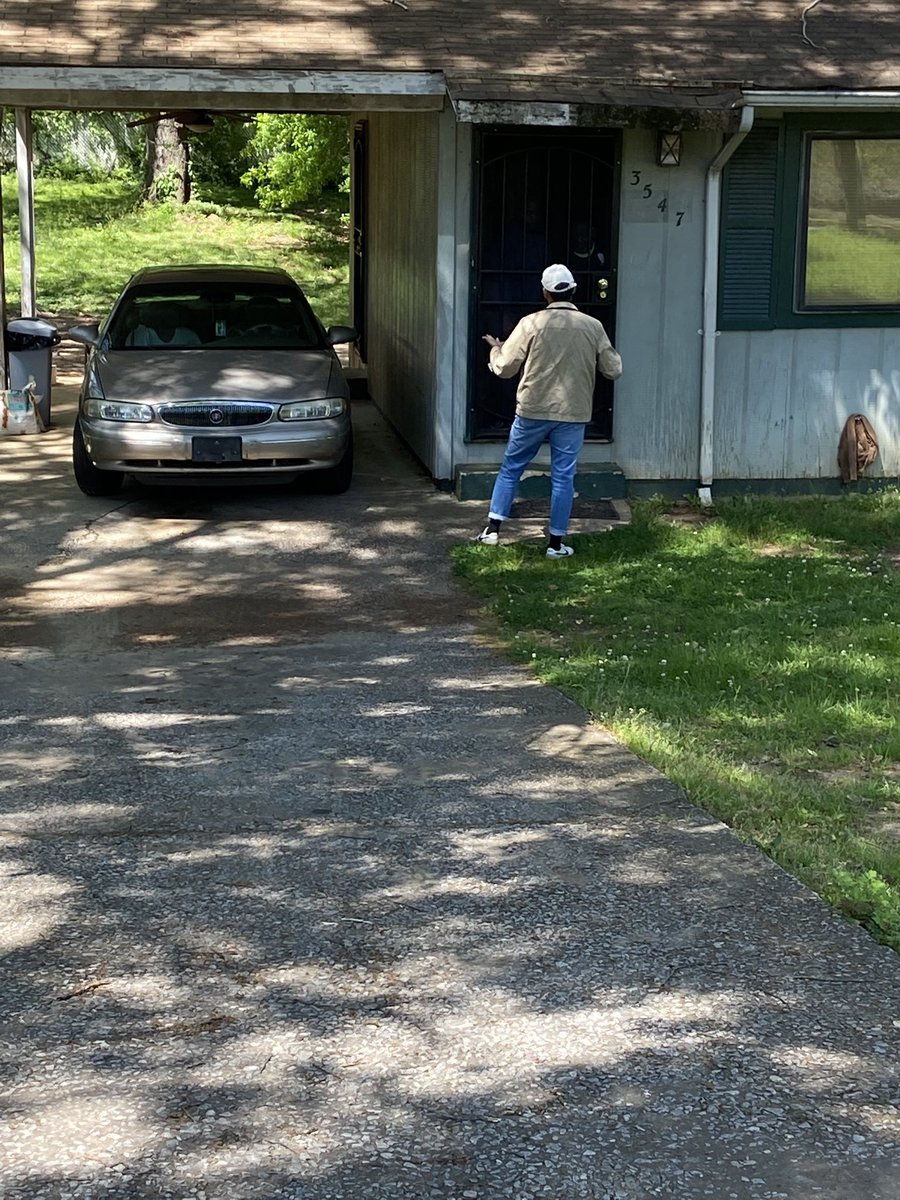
[217, 316]
[811, 226]
[851, 230]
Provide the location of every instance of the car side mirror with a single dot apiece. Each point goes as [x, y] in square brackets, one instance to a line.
[337, 335]
[88, 335]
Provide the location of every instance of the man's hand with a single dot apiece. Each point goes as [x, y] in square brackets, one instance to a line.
[492, 341]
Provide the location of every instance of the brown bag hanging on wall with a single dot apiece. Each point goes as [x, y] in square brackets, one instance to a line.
[857, 449]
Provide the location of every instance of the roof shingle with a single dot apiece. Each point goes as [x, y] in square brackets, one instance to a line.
[767, 44]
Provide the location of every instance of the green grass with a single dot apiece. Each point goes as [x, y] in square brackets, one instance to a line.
[845, 267]
[754, 658]
[90, 237]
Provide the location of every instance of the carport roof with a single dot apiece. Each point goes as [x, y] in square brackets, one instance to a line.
[535, 49]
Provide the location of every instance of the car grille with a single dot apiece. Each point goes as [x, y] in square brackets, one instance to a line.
[183, 466]
[215, 416]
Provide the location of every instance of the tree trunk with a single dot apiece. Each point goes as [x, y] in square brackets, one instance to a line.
[850, 174]
[166, 175]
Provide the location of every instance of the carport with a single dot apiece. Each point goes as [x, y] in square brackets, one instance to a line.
[398, 118]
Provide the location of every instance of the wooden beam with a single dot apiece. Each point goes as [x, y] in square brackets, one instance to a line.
[121, 89]
[25, 175]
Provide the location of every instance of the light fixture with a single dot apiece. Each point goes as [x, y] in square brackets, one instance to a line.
[668, 147]
[200, 122]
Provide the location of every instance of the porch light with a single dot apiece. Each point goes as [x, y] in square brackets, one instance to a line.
[668, 148]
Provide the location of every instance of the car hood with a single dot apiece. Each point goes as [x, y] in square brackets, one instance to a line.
[274, 375]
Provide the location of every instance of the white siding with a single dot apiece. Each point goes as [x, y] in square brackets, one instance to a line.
[452, 291]
[402, 253]
[783, 398]
[659, 309]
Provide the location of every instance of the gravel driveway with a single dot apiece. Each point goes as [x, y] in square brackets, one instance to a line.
[309, 894]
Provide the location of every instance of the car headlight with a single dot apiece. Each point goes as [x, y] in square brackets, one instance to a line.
[109, 410]
[313, 410]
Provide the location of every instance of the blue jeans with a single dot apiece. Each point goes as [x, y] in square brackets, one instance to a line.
[525, 439]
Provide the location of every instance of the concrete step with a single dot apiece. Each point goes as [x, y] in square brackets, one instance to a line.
[595, 481]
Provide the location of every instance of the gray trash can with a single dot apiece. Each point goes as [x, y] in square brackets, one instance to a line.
[29, 354]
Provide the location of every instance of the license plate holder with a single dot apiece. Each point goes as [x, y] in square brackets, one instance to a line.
[216, 449]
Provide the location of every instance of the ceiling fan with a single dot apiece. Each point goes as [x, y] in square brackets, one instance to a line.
[193, 120]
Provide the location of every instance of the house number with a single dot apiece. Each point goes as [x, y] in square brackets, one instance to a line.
[677, 217]
[647, 190]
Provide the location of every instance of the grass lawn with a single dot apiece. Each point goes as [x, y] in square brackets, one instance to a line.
[753, 657]
[91, 236]
[845, 267]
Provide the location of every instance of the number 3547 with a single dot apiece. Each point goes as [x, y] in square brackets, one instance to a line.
[661, 202]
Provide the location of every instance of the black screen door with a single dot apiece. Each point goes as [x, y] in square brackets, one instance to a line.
[543, 196]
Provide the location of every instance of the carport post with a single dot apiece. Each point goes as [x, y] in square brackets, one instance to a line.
[2, 288]
[25, 175]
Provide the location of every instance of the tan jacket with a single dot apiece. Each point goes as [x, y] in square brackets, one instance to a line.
[559, 350]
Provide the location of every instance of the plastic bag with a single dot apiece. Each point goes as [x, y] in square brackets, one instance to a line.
[19, 413]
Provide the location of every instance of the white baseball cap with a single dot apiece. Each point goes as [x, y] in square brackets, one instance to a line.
[557, 278]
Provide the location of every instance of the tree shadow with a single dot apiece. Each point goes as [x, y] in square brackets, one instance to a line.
[778, 46]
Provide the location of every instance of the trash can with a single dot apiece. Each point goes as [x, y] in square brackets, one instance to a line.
[29, 355]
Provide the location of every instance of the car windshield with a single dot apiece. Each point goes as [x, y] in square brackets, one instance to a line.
[214, 316]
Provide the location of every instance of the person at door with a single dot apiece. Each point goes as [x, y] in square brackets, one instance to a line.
[559, 351]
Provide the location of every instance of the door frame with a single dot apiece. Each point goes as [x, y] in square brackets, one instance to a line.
[359, 150]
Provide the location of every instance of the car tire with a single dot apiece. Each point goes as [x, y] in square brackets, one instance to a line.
[338, 478]
[91, 480]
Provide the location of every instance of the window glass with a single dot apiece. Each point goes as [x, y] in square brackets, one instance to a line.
[217, 316]
[852, 249]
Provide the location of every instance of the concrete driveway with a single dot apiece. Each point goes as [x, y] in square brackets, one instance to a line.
[308, 893]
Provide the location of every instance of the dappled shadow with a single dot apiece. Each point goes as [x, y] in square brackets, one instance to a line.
[782, 44]
[789, 565]
[310, 894]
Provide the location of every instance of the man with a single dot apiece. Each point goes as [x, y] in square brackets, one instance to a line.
[559, 350]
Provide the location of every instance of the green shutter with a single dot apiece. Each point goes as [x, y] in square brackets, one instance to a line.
[748, 233]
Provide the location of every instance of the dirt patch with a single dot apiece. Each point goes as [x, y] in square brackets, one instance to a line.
[885, 825]
[682, 515]
[774, 550]
[582, 509]
[843, 777]
[277, 241]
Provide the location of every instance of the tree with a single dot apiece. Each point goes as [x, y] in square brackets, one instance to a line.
[167, 175]
[849, 168]
[296, 158]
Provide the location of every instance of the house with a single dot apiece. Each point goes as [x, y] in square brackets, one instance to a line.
[722, 178]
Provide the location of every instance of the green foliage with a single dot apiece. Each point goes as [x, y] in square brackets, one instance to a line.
[166, 185]
[867, 897]
[285, 160]
[87, 146]
[91, 237]
[296, 158]
[753, 657]
[219, 157]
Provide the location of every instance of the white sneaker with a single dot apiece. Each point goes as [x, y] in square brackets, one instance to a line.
[487, 537]
[563, 552]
